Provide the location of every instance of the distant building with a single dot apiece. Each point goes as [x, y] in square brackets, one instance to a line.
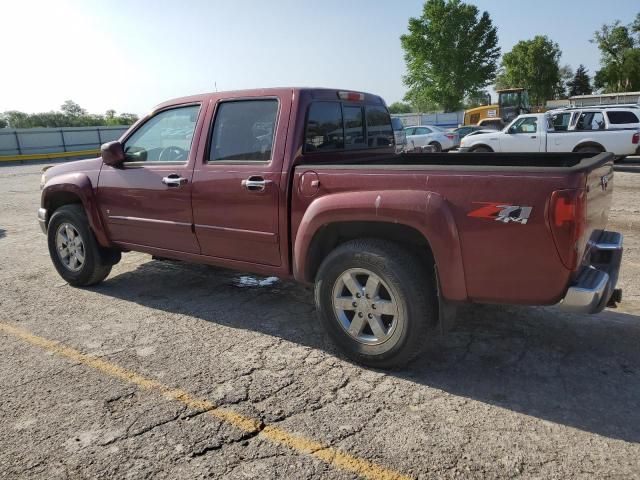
[605, 99]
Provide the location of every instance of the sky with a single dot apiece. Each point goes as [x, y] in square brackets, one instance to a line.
[130, 55]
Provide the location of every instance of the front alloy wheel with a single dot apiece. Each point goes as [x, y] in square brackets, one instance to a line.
[70, 247]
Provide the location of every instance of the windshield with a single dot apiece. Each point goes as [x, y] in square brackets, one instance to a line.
[397, 124]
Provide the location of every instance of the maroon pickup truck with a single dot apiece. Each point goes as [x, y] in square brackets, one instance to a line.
[305, 184]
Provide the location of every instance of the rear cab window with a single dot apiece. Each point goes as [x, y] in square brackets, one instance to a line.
[341, 126]
[397, 125]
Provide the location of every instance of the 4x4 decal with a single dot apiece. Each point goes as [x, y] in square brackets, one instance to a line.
[502, 213]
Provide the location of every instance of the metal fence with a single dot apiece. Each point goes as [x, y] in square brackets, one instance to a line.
[448, 120]
[29, 141]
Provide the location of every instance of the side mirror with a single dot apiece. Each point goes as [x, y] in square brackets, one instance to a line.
[112, 153]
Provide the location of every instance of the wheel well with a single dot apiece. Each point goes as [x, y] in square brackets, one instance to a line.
[589, 144]
[58, 199]
[334, 234]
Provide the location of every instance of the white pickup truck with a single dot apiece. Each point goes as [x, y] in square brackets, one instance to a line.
[536, 133]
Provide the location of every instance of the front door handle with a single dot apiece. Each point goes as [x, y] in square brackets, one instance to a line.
[533, 136]
[174, 180]
[256, 183]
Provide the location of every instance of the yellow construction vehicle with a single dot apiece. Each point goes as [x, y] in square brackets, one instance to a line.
[511, 103]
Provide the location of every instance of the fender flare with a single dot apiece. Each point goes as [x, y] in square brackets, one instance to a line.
[426, 212]
[78, 184]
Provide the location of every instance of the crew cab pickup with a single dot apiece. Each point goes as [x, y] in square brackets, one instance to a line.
[536, 133]
[305, 184]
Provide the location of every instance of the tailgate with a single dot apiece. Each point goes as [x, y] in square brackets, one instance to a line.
[599, 192]
[599, 196]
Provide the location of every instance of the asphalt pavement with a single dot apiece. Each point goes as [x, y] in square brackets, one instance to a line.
[172, 370]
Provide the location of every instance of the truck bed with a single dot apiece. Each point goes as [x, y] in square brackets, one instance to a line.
[503, 260]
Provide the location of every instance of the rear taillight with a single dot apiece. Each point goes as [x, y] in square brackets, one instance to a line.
[450, 136]
[636, 138]
[567, 218]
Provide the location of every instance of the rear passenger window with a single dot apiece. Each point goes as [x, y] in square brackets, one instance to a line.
[620, 118]
[243, 131]
[353, 127]
[379, 130]
[324, 127]
[591, 121]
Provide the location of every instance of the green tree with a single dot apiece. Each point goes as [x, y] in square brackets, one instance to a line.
[619, 57]
[72, 115]
[534, 65]
[476, 99]
[566, 74]
[451, 51]
[581, 83]
[400, 107]
[3, 122]
[71, 108]
[127, 119]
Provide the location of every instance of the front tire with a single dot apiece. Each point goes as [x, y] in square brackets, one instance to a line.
[74, 250]
[481, 149]
[377, 302]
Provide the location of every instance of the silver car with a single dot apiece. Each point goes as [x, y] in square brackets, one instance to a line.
[439, 139]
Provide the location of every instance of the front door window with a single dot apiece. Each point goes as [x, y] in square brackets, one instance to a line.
[166, 137]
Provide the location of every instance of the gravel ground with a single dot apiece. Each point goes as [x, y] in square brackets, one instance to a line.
[511, 392]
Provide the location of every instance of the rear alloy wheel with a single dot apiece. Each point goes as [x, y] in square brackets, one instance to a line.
[436, 147]
[365, 306]
[377, 302]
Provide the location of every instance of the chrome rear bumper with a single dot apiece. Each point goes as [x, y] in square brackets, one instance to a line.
[595, 285]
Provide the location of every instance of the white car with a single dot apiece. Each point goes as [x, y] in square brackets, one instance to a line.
[590, 133]
[439, 139]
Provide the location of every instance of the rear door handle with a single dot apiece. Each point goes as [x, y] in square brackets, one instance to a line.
[533, 136]
[174, 180]
[256, 183]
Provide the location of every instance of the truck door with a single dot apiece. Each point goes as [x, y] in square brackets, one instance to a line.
[146, 201]
[239, 185]
[524, 135]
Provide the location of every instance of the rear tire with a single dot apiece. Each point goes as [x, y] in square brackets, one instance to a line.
[437, 148]
[377, 302]
[589, 150]
[74, 250]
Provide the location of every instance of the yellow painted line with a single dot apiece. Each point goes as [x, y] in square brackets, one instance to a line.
[46, 156]
[327, 454]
